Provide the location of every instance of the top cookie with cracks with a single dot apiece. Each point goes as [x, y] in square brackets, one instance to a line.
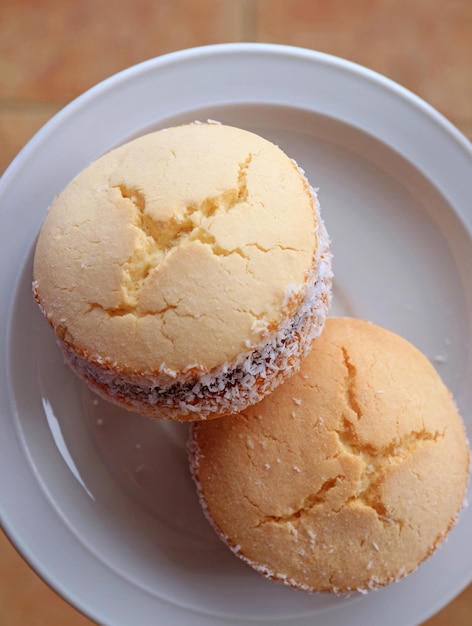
[174, 250]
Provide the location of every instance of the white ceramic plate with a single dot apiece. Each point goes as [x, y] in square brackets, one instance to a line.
[100, 502]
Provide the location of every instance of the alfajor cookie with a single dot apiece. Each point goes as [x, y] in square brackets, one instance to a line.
[348, 475]
[186, 272]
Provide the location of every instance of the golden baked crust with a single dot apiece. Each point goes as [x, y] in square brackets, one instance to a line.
[174, 251]
[348, 475]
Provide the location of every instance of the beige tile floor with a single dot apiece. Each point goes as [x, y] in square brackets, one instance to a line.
[52, 50]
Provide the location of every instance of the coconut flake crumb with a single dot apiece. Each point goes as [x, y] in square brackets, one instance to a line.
[165, 370]
[292, 293]
[259, 326]
[400, 574]
[374, 582]
[312, 536]
[300, 169]
[294, 532]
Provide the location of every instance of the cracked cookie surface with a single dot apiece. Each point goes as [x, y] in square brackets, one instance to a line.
[348, 475]
[177, 253]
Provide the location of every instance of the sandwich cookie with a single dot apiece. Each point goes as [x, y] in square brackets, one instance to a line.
[186, 272]
[348, 475]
